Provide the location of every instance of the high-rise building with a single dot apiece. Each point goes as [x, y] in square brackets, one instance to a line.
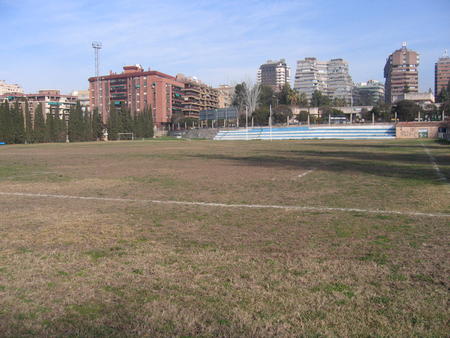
[340, 84]
[6, 88]
[332, 78]
[138, 90]
[401, 73]
[197, 96]
[368, 93]
[275, 74]
[441, 74]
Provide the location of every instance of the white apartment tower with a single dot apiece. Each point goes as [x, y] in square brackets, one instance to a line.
[330, 77]
[274, 74]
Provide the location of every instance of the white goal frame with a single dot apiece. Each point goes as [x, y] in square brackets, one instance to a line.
[126, 139]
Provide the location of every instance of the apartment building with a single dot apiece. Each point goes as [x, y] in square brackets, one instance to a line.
[332, 78]
[275, 74]
[368, 93]
[53, 102]
[226, 93]
[6, 88]
[401, 73]
[441, 73]
[138, 90]
[197, 96]
[82, 97]
[339, 84]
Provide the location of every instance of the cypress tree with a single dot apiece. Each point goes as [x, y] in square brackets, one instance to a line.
[77, 124]
[114, 123]
[126, 120]
[138, 125]
[18, 124]
[148, 123]
[55, 128]
[73, 125]
[97, 125]
[87, 127]
[5, 123]
[61, 127]
[28, 124]
[39, 125]
[49, 128]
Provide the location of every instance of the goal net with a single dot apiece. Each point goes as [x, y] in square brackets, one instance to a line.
[125, 136]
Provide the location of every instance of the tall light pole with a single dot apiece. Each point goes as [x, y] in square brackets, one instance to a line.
[97, 46]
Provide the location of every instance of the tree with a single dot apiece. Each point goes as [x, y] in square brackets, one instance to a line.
[443, 95]
[381, 112]
[28, 124]
[39, 125]
[432, 113]
[5, 123]
[148, 123]
[114, 123]
[61, 129]
[261, 116]
[267, 96]
[55, 126]
[283, 95]
[252, 95]
[76, 124]
[329, 111]
[319, 100]
[406, 110]
[302, 116]
[143, 124]
[239, 97]
[50, 129]
[302, 100]
[18, 124]
[126, 119]
[339, 102]
[281, 113]
[289, 96]
[97, 125]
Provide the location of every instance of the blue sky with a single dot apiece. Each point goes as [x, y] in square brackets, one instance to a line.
[47, 44]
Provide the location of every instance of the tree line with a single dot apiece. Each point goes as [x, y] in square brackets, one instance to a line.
[122, 121]
[17, 125]
[282, 101]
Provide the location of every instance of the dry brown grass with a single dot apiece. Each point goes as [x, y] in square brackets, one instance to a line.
[99, 268]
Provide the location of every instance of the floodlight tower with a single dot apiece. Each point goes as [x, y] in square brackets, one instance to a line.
[97, 46]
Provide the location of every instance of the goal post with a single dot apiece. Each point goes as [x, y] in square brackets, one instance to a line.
[125, 136]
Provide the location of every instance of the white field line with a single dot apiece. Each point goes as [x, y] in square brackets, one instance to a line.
[434, 164]
[224, 205]
[306, 173]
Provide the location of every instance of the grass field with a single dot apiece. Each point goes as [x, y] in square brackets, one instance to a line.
[129, 267]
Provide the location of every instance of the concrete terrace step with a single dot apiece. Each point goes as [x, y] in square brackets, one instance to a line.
[299, 133]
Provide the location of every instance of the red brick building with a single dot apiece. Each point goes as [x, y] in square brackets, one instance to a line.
[137, 89]
[401, 73]
[441, 74]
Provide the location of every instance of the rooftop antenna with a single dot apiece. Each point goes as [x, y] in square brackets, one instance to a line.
[97, 46]
[445, 53]
[404, 44]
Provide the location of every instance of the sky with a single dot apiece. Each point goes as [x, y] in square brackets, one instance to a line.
[47, 44]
